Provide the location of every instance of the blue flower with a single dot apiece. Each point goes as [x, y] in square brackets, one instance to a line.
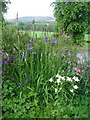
[26, 80]
[32, 39]
[54, 41]
[0, 72]
[20, 84]
[46, 38]
[30, 47]
[6, 60]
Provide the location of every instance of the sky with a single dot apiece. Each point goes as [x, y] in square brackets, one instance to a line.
[29, 8]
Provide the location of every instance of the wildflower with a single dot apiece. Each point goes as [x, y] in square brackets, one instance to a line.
[58, 80]
[56, 90]
[0, 72]
[82, 70]
[62, 78]
[57, 76]
[54, 41]
[50, 80]
[89, 65]
[26, 80]
[77, 69]
[7, 60]
[75, 86]
[60, 89]
[46, 37]
[75, 78]
[69, 79]
[32, 39]
[20, 83]
[71, 90]
[30, 47]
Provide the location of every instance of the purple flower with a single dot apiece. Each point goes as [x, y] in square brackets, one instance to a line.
[6, 60]
[0, 72]
[46, 38]
[26, 80]
[54, 41]
[30, 48]
[29, 45]
[20, 84]
[32, 38]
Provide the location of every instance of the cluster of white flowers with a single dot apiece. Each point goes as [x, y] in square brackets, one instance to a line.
[75, 79]
[59, 80]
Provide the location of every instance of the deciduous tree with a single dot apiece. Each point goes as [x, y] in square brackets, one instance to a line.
[72, 18]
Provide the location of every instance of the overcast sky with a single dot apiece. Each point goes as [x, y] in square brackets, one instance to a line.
[29, 8]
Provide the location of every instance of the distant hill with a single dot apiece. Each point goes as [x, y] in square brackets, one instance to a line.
[31, 18]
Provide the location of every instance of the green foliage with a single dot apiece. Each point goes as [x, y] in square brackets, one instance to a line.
[3, 7]
[72, 18]
[28, 64]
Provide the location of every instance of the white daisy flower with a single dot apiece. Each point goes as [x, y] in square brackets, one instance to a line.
[75, 86]
[50, 80]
